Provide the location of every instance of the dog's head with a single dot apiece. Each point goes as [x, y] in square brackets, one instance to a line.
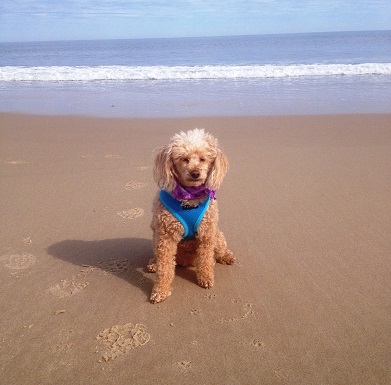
[193, 158]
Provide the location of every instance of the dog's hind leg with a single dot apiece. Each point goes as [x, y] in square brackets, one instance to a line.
[222, 253]
[151, 267]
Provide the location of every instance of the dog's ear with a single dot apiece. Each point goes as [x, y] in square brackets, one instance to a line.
[218, 171]
[163, 169]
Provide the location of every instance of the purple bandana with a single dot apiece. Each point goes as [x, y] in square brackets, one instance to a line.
[198, 192]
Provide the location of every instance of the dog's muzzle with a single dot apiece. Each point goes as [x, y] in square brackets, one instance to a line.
[195, 174]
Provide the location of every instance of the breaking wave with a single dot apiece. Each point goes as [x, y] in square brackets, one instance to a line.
[128, 73]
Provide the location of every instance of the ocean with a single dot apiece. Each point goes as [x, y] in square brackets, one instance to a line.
[311, 73]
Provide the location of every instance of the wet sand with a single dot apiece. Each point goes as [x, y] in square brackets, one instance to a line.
[305, 207]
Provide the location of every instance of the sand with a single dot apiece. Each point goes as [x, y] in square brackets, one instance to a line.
[305, 207]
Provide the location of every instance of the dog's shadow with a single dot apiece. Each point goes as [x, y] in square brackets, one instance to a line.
[125, 257]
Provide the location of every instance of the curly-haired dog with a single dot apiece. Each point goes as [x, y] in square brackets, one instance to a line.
[188, 170]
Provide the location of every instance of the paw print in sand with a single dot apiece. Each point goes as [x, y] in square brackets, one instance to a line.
[120, 339]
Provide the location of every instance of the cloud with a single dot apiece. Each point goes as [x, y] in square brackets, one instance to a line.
[160, 8]
[163, 18]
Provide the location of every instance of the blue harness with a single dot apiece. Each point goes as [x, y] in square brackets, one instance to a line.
[190, 218]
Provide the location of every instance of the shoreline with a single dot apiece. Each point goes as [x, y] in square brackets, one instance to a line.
[163, 99]
[305, 208]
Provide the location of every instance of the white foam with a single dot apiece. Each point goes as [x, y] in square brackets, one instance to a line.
[102, 73]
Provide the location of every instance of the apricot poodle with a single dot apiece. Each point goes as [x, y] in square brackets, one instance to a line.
[188, 171]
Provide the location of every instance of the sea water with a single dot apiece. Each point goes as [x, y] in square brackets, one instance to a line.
[340, 72]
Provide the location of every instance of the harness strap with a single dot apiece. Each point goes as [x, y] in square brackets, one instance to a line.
[189, 218]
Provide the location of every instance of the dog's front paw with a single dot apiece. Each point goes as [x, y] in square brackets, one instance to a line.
[159, 296]
[206, 283]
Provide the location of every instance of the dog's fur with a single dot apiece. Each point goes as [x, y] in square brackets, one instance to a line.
[193, 159]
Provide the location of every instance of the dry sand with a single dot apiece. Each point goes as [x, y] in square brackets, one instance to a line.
[305, 207]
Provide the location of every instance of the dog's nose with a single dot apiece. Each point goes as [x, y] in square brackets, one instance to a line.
[195, 174]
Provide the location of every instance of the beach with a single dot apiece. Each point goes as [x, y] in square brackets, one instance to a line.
[305, 208]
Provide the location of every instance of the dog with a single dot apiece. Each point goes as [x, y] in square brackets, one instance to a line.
[188, 171]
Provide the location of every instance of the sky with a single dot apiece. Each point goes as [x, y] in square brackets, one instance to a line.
[34, 20]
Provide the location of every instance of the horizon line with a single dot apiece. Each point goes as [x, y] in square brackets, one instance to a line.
[191, 37]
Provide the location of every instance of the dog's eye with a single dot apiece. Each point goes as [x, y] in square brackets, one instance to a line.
[202, 160]
[186, 160]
